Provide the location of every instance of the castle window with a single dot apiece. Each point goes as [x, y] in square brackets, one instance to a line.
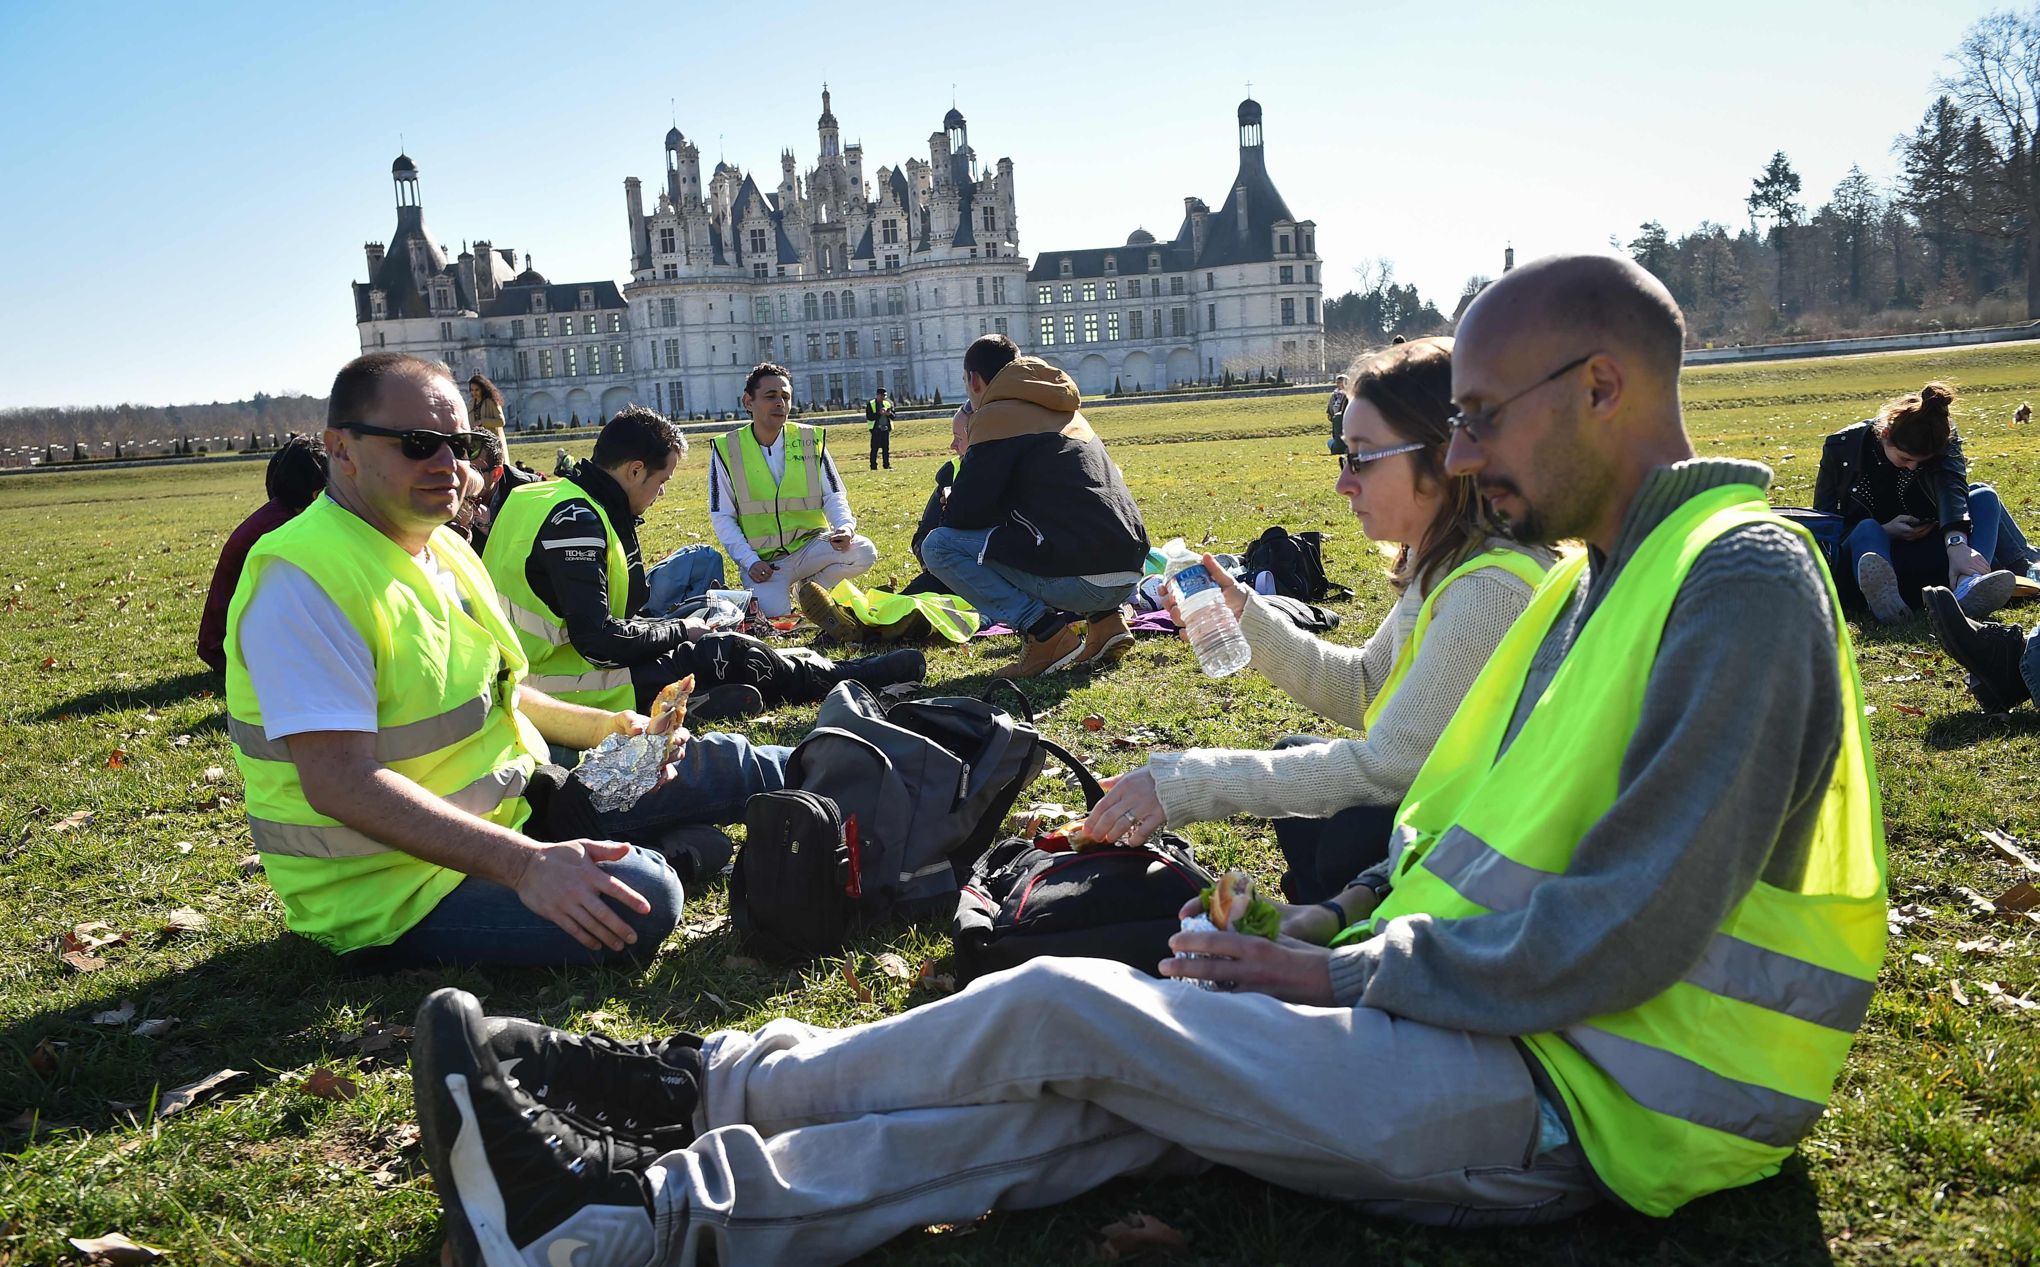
[587, 299]
[1134, 325]
[785, 347]
[619, 361]
[1210, 282]
[982, 331]
[1069, 293]
[544, 327]
[615, 323]
[665, 241]
[991, 218]
[829, 305]
[440, 298]
[517, 328]
[1090, 327]
[1176, 285]
[538, 301]
[667, 314]
[1111, 265]
[446, 331]
[670, 273]
[764, 347]
[1211, 316]
[1286, 275]
[1289, 312]
[570, 362]
[1154, 261]
[1282, 243]
[828, 259]
[761, 312]
[889, 232]
[757, 241]
[892, 261]
[545, 363]
[1178, 323]
[1069, 327]
[850, 344]
[1044, 294]
[523, 364]
[1309, 243]
[376, 307]
[760, 270]
[899, 340]
[810, 307]
[1111, 290]
[814, 346]
[588, 324]
[1309, 311]
[999, 325]
[672, 354]
[1310, 272]
[895, 301]
[1112, 325]
[981, 292]
[1048, 332]
[849, 304]
[998, 290]
[1065, 270]
[1090, 292]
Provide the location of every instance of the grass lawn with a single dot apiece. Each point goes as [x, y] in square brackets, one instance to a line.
[120, 805]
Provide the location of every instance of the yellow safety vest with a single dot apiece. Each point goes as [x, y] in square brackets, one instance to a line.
[1708, 1084]
[777, 516]
[557, 666]
[446, 718]
[1514, 562]
[949, 616]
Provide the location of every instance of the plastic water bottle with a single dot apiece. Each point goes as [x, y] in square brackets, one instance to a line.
[1214, 631]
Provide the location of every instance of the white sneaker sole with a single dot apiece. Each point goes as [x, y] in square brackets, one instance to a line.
[1880, 589]
[1987, 594]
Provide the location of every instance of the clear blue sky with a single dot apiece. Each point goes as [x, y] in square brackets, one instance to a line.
[188, 186]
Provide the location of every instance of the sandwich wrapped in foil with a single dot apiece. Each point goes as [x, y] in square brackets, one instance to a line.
[623, 768]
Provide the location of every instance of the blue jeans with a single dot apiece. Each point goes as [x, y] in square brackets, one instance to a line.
[483, 924]
[2029, 664]
[1007, 594]
[1992, 534]
[714, 780]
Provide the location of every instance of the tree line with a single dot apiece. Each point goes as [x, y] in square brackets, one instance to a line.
[1953, 241]
[71, 432]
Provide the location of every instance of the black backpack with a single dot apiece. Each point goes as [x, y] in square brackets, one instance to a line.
[1028, 898]
[1296, 561]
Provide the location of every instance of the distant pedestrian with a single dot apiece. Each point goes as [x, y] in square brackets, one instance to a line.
[1335, 409]
[487, 411]
[878, 412]
[2023, 414]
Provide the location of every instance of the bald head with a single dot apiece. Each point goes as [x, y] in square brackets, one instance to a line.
[1589, 301]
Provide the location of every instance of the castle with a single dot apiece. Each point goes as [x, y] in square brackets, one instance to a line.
[852, 285]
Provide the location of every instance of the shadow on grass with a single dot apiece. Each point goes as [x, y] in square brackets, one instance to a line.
[161, 693]
[1953, 731]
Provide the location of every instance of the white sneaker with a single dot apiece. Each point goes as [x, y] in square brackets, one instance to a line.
[1979, 596]
[1880, 589]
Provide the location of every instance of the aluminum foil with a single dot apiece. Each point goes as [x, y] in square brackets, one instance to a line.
[621, 769]
[1197, 924]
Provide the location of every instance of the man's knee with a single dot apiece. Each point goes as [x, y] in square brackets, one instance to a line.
[945, 545]
[654, 879]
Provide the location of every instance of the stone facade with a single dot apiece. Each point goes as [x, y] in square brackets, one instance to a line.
[852, 284]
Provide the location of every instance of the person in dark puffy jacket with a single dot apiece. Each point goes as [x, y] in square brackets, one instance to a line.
[296, 476]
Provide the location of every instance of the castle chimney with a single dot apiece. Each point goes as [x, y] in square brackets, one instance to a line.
[375, 258]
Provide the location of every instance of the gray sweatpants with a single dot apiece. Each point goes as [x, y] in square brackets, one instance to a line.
[1038, 1084]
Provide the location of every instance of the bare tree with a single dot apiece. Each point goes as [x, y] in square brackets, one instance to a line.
[1997, 80]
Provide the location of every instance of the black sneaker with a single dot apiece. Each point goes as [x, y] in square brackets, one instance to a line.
[519, 1183]
[727, 702]
[644, 1092]
[1989, 650]
[889, 669]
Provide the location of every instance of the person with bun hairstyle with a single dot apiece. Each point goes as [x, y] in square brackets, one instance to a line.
[1459, 585]
[1913, 519]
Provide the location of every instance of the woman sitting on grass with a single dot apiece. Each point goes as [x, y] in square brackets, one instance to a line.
[1460, 587]
[1901, 485]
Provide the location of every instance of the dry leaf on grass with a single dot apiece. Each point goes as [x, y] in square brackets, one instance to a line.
[77, 818]
[214, 773]
[114, 1248]
[178, 1099]
[1093, 721]
[43, 1057]
[2009, 850]
[2020, 897]
[940, 982]
[861, 990]
[184, 920]
[894, 966]
[1910, 711]
[117, 759]
[92, 936]
[116, 1016]
[327, 1085]
[1956, 992]
[376, 1037]
[1900, 918]
[180, 741]
[156, 1027]
[251, 865]
[1137, 1234]
[79, 961]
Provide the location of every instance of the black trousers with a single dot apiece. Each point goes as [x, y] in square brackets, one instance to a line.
[721, 659]
[1324, 854]
[881, 446]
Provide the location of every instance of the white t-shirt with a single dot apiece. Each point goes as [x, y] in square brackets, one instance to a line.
[310, 669]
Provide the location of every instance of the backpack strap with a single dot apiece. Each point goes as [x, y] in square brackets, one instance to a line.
[1075, 764]
[1026, 705]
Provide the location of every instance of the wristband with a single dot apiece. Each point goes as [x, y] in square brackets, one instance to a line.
[1344, 919]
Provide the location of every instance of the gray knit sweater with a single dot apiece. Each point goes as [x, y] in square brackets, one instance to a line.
[1339, 683]
[1721, 784]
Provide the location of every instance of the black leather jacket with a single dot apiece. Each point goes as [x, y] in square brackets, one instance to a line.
[573, 580]
[1945, 478]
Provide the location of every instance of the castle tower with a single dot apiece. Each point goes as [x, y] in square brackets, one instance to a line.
[826, 128]
[404, 174]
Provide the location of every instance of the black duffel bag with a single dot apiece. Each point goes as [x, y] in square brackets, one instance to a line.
[1028, 898]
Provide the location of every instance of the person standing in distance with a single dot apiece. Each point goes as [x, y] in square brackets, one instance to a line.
[878, 413]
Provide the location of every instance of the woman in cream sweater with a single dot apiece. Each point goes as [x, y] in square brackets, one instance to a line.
[1460, 587]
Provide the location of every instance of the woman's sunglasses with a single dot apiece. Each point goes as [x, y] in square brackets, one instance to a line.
[420, 443]
[1352, 461]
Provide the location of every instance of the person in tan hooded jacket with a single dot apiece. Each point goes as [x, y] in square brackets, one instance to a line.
[1039, 524]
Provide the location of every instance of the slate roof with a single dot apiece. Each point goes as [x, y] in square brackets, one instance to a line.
[401, 296]
[561, 298]
[863, 249]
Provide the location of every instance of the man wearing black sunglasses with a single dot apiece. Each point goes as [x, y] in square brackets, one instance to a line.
[390, 746]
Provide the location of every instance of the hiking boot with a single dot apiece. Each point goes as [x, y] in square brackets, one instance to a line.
[1989, 649]
[518, 1182]
[831, 617]
[912, 627]
[1045, 655]
[1106, 642]
[644, 1092]
[890, 669]
[1880, 589]
[1982, 595]
[730, 700]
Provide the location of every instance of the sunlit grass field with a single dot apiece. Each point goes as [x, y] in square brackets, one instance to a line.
[119, 805]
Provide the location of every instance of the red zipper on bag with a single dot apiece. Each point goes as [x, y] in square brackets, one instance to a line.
[855, 888]
[1028, 892]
